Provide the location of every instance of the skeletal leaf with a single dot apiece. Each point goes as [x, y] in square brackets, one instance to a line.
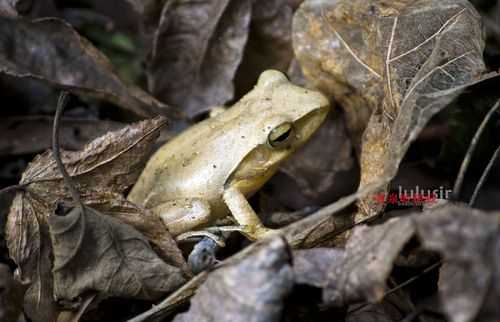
[252, 290]
[196, 51]
[97, 253]
[362, 53]
[51, 51]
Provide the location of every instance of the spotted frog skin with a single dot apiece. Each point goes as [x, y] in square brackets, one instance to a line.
[208, 171]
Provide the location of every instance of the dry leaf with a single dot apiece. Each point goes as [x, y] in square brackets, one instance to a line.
[31, 134]
[110, 164]
[362, 54]
[360, 271]
[51, 51]
[197, 48]
[269, 44]
[252, 290]
[97, 253]
[469, 242]
[311, 266]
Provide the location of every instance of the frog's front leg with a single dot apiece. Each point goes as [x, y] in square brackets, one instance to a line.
[251, 225]
[183, 215]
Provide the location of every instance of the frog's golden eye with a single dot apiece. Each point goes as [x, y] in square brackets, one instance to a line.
[280, 136]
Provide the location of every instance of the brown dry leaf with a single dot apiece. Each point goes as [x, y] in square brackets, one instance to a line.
[144, 220]
[32, 134]
[50, 50]
[196, 50]
[362, 54]
[360, 272]
[98, 253]
[269, 43]
[252, 290]
[469, 242]
[110, 164]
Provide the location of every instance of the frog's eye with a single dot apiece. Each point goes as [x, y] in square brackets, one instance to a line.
[281, 135]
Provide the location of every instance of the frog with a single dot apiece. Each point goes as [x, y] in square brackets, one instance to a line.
[210, 170]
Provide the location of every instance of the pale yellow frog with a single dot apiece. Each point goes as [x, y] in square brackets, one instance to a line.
[208, 171]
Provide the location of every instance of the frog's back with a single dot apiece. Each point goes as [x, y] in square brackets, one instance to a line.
[196, 163]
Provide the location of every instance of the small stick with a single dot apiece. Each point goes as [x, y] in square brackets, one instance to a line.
[472, 147]
[61, 102]
[484, 176]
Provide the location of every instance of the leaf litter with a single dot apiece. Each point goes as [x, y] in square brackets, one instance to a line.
[388, 82]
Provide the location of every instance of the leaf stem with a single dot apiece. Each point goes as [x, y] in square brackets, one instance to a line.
[472, 147]
[61, 103]
[484, 176]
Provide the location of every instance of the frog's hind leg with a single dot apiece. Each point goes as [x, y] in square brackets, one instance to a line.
[250, 224]
[183, 215]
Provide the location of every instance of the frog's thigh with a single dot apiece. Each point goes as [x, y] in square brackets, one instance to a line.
[244, 214]
[183, 215]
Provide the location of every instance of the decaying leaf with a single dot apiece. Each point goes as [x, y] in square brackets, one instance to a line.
[145, 221]
[362, 53]
[369, 257]
[252, 290]
[469, 242]
[51, 51]
[311, 266]
[30, 135]
[108, 165]
[360, 271]
[196, 51]
[97, 253]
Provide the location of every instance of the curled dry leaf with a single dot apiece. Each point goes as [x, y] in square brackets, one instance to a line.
[50, 50]
[252, 290]
[98, 253]
[361, 53]
[108, 165]
[469, 242]
[196, 50]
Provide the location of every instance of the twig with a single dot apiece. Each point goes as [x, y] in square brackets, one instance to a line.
[404, 284]
[472, 147]
[63, 98]
[484, 176]
[13, 188]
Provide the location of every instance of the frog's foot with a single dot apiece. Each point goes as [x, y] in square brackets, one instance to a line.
[198, 234]
[250, 224]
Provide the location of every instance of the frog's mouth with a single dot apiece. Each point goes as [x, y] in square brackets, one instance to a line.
[263, 161]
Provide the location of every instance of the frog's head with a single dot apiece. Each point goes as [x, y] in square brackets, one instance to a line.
[283, 117]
